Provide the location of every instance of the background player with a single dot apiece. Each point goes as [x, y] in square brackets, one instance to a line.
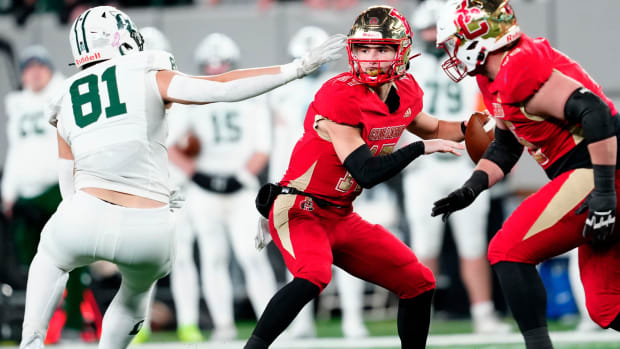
[115, 208]
[235, 142]
[288, 107]
[353, 116]
[453, 102]
[569, 126]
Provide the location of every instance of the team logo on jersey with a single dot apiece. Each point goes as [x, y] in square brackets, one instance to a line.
[407, 113]
[307, 204]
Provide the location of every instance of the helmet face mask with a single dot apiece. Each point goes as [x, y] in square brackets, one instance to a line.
[102, 33]
[468, 30]
[380, 25]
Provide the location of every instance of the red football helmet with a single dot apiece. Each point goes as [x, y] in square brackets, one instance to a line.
[380, 25]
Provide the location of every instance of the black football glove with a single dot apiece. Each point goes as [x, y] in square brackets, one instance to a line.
[455, 201]
[461, 197]
[601, 219]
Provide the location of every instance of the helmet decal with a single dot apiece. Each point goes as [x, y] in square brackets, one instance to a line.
[468, 30]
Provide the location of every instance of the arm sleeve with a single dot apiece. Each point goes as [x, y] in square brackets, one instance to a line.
[196, 90]
[369, 170]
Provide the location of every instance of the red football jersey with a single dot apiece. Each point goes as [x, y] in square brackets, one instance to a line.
[315, 167]
[524, 70]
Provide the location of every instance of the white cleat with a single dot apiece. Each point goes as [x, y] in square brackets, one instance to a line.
[490, 325]
[224, 334]
[354, 329]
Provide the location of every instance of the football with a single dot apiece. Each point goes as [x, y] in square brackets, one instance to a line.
[479, 135]
[189, 145]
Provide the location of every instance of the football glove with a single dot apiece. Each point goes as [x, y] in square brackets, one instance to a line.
[601, 219]
[176, 199]
[329, 50]
[456, 200]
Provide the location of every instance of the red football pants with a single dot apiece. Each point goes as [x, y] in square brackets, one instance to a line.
[545, 225]
[312, 238]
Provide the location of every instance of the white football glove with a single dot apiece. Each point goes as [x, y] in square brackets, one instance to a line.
[329, 50]
[263, 237]
[176, 199]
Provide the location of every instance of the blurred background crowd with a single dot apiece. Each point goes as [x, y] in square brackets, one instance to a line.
[215, 243]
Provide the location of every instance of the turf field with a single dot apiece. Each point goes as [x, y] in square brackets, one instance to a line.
[444, 334]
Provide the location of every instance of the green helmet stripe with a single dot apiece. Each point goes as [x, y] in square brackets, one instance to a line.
[84, 31]
[77, 40]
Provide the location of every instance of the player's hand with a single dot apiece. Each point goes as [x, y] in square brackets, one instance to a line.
[176, 199]
[329, 50]
[601, 219]
[455, 201]
[442, 146]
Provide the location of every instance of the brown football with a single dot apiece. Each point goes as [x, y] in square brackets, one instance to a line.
[478, 136]
[189, 145]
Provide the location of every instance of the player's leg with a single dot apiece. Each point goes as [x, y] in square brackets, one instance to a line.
[543, 226]
[600, 275]
[303, 324]
[351, 294]
[426, 232]
[46, 283]
[372, 253]
[48, 273]
[469, 229]
[184, 280]
[299, 234]
[259, 277]
[585, 323]
[208, 216]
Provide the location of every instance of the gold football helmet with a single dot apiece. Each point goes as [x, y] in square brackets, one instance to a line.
[380, 25]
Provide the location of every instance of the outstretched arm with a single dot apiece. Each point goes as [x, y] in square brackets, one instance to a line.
[237, 85]
[499, 158]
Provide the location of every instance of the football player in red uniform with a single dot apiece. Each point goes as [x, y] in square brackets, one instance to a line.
[545, 101]
[351, 129]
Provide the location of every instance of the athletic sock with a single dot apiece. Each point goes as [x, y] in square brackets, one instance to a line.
[281, 311]
[527, 299]
[414, 317]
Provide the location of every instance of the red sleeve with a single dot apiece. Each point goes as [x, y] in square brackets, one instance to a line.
[524, 70]
[417, 95]
[337, 103]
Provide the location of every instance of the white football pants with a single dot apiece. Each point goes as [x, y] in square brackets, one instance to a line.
[429, 181]
[84, 230]
[220, 221]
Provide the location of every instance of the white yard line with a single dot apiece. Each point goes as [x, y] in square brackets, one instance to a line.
[565, 337]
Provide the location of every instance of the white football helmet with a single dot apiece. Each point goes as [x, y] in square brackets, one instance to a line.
[469, 29]
[306, 39]
[217, 50]
[154, 39]
[101, 33]
[426, 14]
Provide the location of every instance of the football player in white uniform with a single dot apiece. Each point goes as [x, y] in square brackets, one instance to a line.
[113, 167]
[235, 142]
[288, 107]
[450, 101]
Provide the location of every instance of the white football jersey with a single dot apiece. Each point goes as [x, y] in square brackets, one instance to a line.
[30, 166]
[112, 117]
[229, 133]
[288, 105]
[443, 99]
